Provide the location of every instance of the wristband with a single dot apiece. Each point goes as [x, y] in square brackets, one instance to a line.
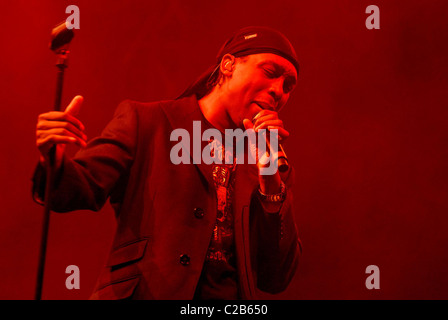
[279, 197]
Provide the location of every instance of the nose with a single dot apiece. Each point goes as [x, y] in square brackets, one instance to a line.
[276, 89]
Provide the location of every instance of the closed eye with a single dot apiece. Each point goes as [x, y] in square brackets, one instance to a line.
[270, 73]
[274, 71]
[289, 82]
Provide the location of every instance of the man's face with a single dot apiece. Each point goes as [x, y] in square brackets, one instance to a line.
[262, 81]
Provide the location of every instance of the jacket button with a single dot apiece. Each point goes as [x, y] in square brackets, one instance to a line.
[185, 259]
[198, 213]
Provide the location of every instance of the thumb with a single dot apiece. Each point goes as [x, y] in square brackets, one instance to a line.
[74, 106]
[248, 124]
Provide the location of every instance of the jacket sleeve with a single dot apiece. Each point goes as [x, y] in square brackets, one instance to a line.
[86, 181]
[278, 246]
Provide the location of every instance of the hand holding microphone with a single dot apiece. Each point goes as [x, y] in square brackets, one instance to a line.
[268, 119]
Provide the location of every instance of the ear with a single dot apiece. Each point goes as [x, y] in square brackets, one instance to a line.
[227, 64]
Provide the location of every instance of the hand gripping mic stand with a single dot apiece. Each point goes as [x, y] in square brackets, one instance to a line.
[60, 39]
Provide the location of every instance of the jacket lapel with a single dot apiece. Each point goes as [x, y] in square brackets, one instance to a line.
[182, 114]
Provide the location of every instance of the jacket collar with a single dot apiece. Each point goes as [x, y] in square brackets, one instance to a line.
[181, 114]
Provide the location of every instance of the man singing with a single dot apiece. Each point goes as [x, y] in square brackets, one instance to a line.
[190, 230]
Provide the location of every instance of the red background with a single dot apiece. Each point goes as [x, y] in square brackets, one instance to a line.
[367, 123]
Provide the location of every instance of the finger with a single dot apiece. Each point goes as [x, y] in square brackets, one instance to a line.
[74, 106]
[52, 115]
[45, 144]
[60, 116]
[282, 133]
[48, 142]
[61, 132]
[248, 124]
[265, 124]
[264, 112]
[46, 136]
[55, 139]
[266, 117]
[48, 125]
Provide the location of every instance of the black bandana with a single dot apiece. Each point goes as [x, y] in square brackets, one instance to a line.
[247, 41]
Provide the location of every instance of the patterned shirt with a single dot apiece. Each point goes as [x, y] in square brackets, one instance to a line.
[219, 277]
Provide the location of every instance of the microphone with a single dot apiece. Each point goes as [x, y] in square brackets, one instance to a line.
[282, 160]
[60, 36]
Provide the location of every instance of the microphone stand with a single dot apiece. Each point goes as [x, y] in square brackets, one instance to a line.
[61, 64]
